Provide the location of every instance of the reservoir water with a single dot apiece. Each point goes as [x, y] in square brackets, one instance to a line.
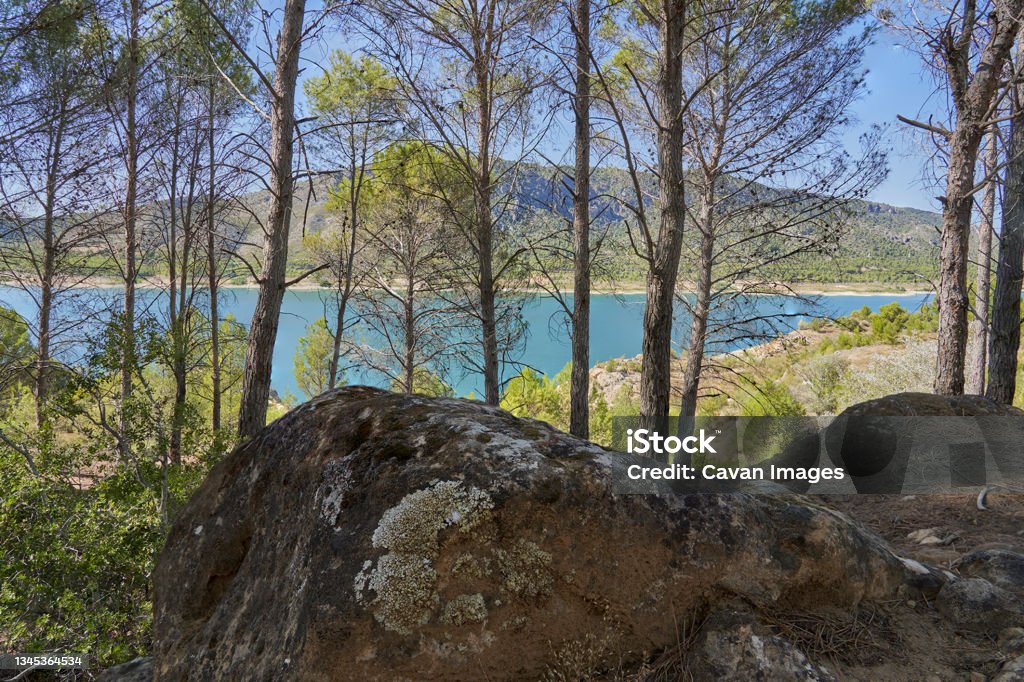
[616, 326]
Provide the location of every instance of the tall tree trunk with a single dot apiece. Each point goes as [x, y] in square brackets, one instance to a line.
[259, 355]
[211, 265]
[1004, 336]
[130, 236]
[972, 98]
[655, 373]
[410, 332]
[485, 235]
[983, 280]
[701, 311]
[579, 387]
[344, 291]
[952, 298]
[46, 281]
[173, 307]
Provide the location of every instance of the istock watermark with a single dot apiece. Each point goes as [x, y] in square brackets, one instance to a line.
[822, 455]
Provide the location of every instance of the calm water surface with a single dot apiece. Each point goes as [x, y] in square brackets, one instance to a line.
[615, 326]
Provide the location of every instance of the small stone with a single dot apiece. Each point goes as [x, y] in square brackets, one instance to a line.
[998, 566]
[137, 670]
[978, 605]
[1011, 641]
[926, 536]
[1012, 671]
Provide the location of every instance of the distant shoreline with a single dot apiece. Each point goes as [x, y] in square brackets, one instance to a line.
[626, 289]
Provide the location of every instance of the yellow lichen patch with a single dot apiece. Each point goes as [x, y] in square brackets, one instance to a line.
[406, 592]
[404, 580]
[465, 608]
[525, 569]
[413, 524]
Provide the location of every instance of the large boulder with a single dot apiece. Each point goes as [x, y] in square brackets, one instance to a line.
[874, 441]
[930, 405]
[373, 536]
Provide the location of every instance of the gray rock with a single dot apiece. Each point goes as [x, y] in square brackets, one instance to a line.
[1011, 641]
[735, 647]
[1011, 671]
[978, 605]
[372, 536]
[998, 566]
[930, 405]
[138, 670]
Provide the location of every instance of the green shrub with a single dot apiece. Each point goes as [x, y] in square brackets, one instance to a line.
[826, 377]
[888, 324]
[770, 399]
[75, 562]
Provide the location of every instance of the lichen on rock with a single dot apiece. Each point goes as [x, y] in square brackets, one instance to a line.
[525, 569]
[465, 608]
[404, 580]
[412, 526]
[406, 587]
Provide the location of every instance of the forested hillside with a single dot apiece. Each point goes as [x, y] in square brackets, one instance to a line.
[874, 243]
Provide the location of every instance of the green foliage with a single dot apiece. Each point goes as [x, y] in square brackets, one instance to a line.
[624, 404]
[770, 399]
[817, 324]
[425, 382]
[349, 88]
[888, 324]
[712, 405]
[75, 560]
[16, 352]
[600, 418]
[827, 376]
[312, 364]
[534, 395]
[924, 320]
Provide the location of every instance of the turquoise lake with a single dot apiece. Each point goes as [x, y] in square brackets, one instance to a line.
[615, 326]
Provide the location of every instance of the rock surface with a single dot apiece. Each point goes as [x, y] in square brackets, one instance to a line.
[373, 536]
[137, 670]
[929, 405]
[977, 604]
[734, 647]
[998, 566]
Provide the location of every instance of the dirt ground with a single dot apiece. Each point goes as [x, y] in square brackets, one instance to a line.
[957, 521]
[912, 641]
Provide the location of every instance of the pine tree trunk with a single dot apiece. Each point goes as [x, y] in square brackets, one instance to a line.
[485, 238]
[130, 237]
[982, 284]
[1004, 335]
[701, 312]
[579, 388]
[972, 98]
[259, 355]
[952, 298]
[655, 373]
[173, 308]
[211, 265]
[48, 271]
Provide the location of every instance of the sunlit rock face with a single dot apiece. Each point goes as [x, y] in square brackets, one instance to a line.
[373, 536]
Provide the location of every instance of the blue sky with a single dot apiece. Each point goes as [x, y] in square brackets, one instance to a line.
[897, 84]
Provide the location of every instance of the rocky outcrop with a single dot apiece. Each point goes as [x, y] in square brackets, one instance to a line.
[929, 405]
[1001, 567]
[372, 536]
[874, 440]
[136, 670]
